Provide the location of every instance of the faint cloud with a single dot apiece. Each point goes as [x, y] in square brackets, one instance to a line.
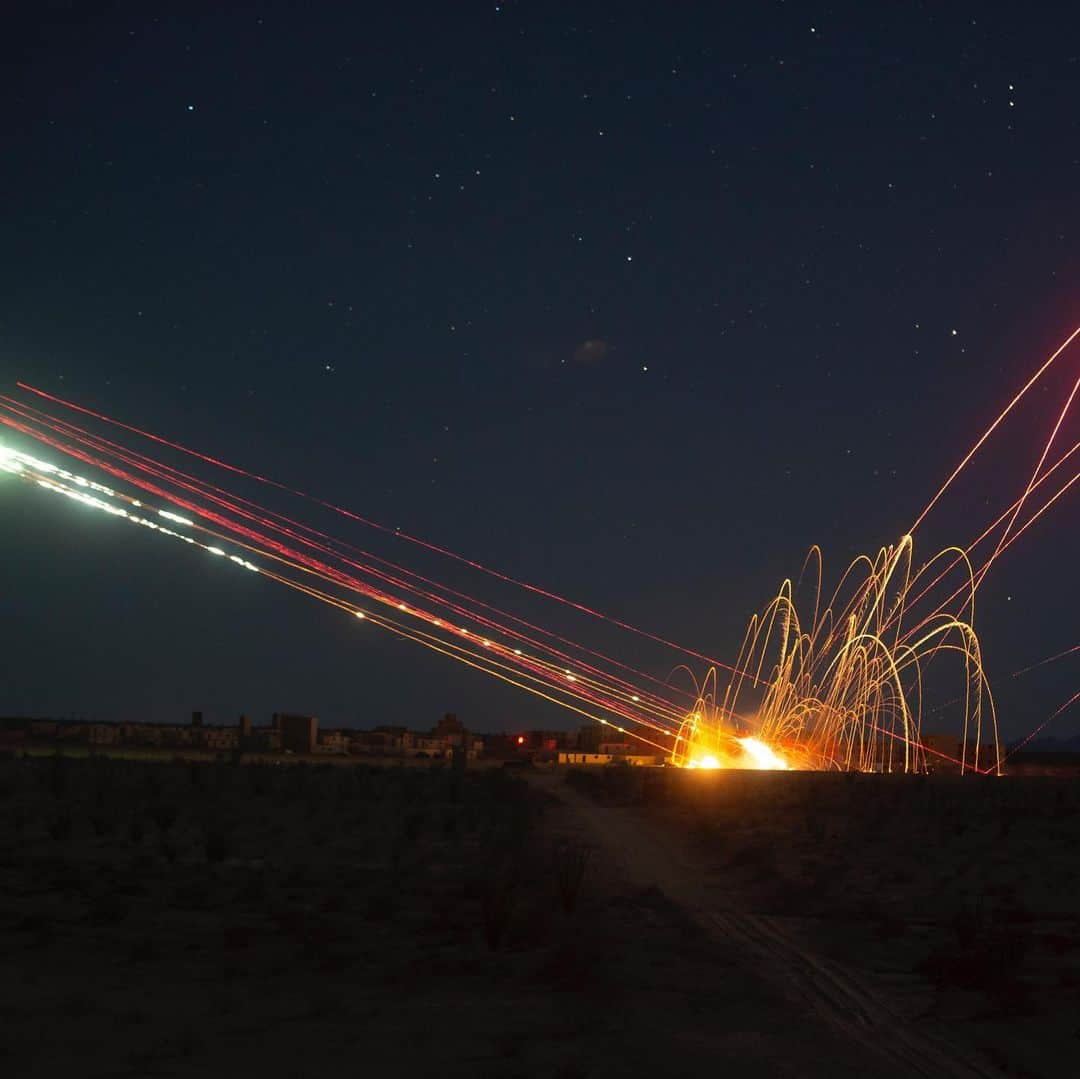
[591, 351]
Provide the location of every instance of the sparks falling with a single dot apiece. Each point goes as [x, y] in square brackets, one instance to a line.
[824, 679]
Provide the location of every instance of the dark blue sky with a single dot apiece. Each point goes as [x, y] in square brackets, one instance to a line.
[360, 250]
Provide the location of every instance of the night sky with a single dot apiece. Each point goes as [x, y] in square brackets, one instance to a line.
[633, 306]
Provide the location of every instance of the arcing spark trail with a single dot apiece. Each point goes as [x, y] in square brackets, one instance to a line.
[837, 682]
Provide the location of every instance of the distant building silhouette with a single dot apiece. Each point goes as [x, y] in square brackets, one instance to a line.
[298, 733]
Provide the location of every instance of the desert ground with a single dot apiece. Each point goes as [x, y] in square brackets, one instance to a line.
[936, 918]
[206, 918]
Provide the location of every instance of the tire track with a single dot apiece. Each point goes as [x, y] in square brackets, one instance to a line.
[648, 858]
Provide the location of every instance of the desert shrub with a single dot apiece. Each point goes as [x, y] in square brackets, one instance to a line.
[189, 1042]
[298, 876]
[498, 896]
[622, 783]
[60, 825]
[575, 966]
[39, 927]
[319, 939]
[815, 827]
[191, 894]
[238, 937]
[531, 925]
[586, 780]
[970, 923]
[58, 775]
[257, 781]
[394, 857]
[164, 816]
[214, 844]
[571, 858]
[143, 950]
[752, 856]
[889, 926]
[135, 827]
[101, 822]
[383, 905]
[169, 850]
[413, 826]
[253, 890]
[107, 910]
[989, 955]
[701, 822]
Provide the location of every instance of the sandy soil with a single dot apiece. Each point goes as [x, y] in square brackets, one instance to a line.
[197, 919]
[937, 919]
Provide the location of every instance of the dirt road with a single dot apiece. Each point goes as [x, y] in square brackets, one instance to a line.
[648, 855]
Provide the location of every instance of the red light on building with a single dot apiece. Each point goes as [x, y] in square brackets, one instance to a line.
[521, 739]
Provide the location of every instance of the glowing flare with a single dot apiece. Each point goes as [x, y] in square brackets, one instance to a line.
[706, 760]
[762, 755]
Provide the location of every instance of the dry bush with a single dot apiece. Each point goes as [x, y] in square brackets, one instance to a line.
[498, 897]
[253, 890]
[164, 816]
[413, 826]
[571, 858]
[383, 905]
[214, 844]
[169, 850]
[58, 776]
[60, 825]
[988, 955]
[39, 928]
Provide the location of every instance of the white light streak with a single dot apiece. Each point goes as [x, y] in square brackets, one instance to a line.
[175, 517]
[77, 489]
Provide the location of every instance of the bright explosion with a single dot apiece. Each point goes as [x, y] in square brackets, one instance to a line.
[823, 680]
